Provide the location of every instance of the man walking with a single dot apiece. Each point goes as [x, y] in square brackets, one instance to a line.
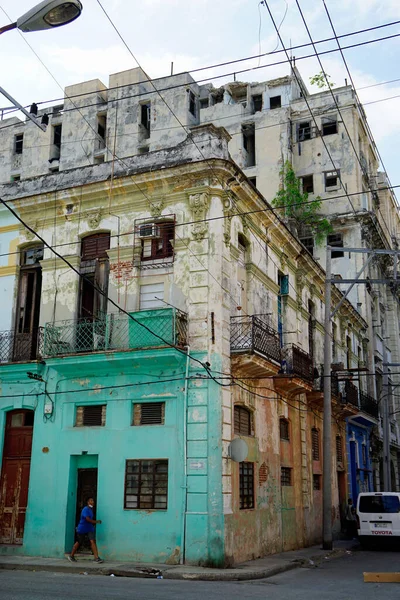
[351, 520]
[86, 529]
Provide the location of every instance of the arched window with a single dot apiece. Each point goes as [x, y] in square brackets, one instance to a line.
[242, 421]
[284, 429]
[315, 443]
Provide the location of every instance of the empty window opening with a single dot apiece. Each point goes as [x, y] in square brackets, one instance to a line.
[145, 116]
[149, 413]
[146, 484]
[332, 179]
[204, 103]
[315, 443]
[316, 482]
[102, 131]
[55, 149]
[286, 476]
[329, 125]
[336, 241]
[308, 242]
[91, 415]
[307, 183]
[253, 181]
[249, 144]
[304, 131]
[257, 102]
[284, 429]
[192, 103]
[98, 160]
[348, 351]
[246, 485]
[242, 421]
[15, 178]
[156, 240]
[18, 143]
[275, 102]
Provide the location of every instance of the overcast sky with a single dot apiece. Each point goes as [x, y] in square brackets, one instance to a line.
[207, 32]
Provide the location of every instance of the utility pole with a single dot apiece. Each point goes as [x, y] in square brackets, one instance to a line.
[385, 417]
[327, 428]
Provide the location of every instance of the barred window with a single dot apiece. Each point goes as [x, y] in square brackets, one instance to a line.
[286, 476]
[246, 485]
[339, 449]
[316, 482]
[149, 413]
[93, 415]
[242, 420]
[146, 484]
[315, 443]
[284, 429]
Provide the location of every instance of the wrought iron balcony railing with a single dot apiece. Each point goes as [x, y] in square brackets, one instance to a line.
[117, 332]
[334, 382]
[298, 362]
[350, 394]
[369, 405]
[253, 334]
[21, 347]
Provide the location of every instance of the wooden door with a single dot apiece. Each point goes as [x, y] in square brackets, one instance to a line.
[14, 481]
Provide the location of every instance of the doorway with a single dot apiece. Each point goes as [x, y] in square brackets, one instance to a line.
[86, 488]
[14, 481]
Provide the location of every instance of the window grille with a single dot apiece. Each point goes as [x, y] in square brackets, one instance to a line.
[339, 449]
[91, 415]
[315, 443]
[286, 476]
[284, 429]
[246, 485]
[146, 484]
[242, 420]
[149, 413]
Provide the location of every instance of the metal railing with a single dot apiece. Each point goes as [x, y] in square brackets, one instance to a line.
[369, 405]
[350, 394]
[298, 362]
[21, 347]
[334, 382]
[147, 329]
[253, 334]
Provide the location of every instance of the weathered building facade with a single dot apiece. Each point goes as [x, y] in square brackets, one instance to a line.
[187, 314]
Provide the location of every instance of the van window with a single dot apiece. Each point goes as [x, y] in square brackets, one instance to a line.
[379, 504]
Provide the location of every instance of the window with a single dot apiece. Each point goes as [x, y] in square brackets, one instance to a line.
[335, 240]
[379, 504]
[246, 485]
[101, 130]
[283, 282]
[149, 413]
[156, 240]
[329, 125]
[55, 147]
[204, 103]
[339, 449]
[18, 143]
[286, 476]
[146, 484]
[32, 256]
[315, 443]
[95, 246]
[152, 296]
[308, 242]
[249, 144]
[348, 351]
[332, 179]
[307, 183]
[253, 181]
[242, 420]
[57, 135]
[275, 102]
[93, 415]
[14, 178]
[284, 429]
[316, 482]
[364, 455]
[192, 103]
[145, 115]
[257, 103]
[21, 419]
[304, 131]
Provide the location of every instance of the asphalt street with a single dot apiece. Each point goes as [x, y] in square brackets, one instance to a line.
[340, 579]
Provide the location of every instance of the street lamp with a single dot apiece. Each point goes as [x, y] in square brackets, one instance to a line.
[47, 15]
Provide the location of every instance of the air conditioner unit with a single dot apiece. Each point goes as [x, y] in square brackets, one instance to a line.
[149, 230]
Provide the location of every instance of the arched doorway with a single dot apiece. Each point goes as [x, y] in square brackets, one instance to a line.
[14, 480]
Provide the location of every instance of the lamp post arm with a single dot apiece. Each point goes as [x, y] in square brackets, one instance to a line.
[22, 109]
[8, 27]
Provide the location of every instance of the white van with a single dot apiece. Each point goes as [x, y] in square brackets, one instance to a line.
[378, 516]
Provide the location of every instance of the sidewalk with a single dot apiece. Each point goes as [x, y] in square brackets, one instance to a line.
[254, 569]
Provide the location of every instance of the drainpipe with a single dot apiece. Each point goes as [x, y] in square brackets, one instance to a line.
[184, 486]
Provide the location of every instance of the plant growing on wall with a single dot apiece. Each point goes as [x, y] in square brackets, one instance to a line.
[321, 80]
[296, 206]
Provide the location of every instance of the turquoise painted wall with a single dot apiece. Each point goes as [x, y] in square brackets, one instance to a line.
[135, 535]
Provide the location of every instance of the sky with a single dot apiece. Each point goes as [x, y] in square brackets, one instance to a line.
[205, 33]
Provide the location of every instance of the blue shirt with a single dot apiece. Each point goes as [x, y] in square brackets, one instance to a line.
[83, 525]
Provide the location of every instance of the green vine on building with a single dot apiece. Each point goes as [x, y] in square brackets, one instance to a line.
[296, 206]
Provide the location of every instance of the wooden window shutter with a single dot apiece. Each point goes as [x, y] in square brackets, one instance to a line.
[95, 246]
[149, 413]
[91, 415]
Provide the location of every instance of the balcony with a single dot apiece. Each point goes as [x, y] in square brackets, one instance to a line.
[369, 405]
[21, 347]
[251, 335]
[147, 329]
[298, 363]
[350, 394]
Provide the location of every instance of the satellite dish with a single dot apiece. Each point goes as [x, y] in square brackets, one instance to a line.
[238, 450]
